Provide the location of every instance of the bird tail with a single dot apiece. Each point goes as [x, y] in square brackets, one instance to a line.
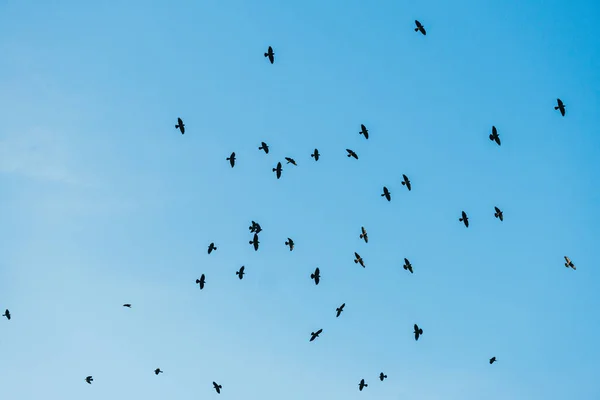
[556, 107]
[266, 54]
[312, 276]
[312, 155]
[460, 219]
[355, 261]
[274, 169]
[382, 195]
[403, 183]
[496, 215]
[362, 236]
[416, 29]
[491, 137]
[176, 126]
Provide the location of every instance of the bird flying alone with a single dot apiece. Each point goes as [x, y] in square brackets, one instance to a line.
[314, 335]
[464, 219]
[386, 193]
[127, 305]
[418, 332]
[89, 379]
[352, 154]
[316, 276]
[240, 273]
[277, 170]
[211, 247]
[290, 161]
[217, 387]
[339, 310]
[358, 259]
[420, 28]
[492, 360]
[406, 182]
[254, 242]
[568, 263]
[201, 281]
[407, 265]
[264, 147]
[231, 159]
[362, 385]
[6, 314]
[180, 125]
[157, 371]
[382, 377]
[560, 107]
[494, 135]
[498, 214]
[290, 243]
[364, 235]
[270, 54]
[364, 131]
[315, 155]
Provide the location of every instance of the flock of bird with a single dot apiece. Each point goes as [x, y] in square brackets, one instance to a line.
[255, 227]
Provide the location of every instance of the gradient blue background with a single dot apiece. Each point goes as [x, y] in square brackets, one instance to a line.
[103, 202]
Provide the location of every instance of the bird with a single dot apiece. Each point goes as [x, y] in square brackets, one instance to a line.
[494, 135]
[363, 235]
[418, 332]
[158, 371]
[211, 247]
[201, 281]
[362, 385]
[364, 131]
[316, 276]
[255, 242]
[358, 259]
[290, 161]
[180, 125]
[264, 147]
[314, 335]
[6, 314]
[127, 305]
[255, 227]
[420, 28]
[498, 214]
[407, 265]
[560, 107]
[492, 360]
[290, 243]
[568, 263]
[339, 310]
[240, 273]
[231, 159]
[278, 170]
[217, 387]
[270, 54]
[89, 379]
[315, 155]
[464, 219]
[352, 154]
[386, 194]
[382, 376]
[406, 182]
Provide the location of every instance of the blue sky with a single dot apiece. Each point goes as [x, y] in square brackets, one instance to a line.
[103, 202]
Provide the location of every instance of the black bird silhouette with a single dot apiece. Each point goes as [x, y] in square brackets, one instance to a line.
[231, 159]
[339, 310]
[278, 170]
[464, 219]
[89, 379]
[352, 154]
[157, 371]
[363, 235]
[201, 281]
[264, 147]
[498, 214]
[407, 265]
[316, 276]
[217, 387]
[127, 305]
[314, 335]
[255, 242]
[315, 155]
[420, 28]
[364, 131]
[406, 182]
[362, 385]
[382, 377]
[418, 332]
[560, 107]
[6, 314]
[568, 263]
[180, 125]
[494, 135]
[211, 247]
[386, 194]
[358, 259]
[492, 360]
[290, 161]
[270, 54]
[240, 273]
[290, 243]
[255, 227]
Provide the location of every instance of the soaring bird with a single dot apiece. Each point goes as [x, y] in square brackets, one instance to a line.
[363, 235]
[315, 155]
[240, 273]
[231, 159]
[386, 194]
[278, 170]
[314, 335]
[127, 305]
[217, 387]
[339, 310]
[264, 147]
[255, 242]
[492, 360]
[358, 259]
[157, 371]
[255, 227]
[362, 385]
[568, 263]
[494, 135]
[290, 161]
[201, 281]
[420, 28]
[382, 376]
[180, 125]
[406, 182]
[290, 243]
[364, 131]
[560, 107]
[498, 214]
[6, 314]
[407, 265]
[89, 379]
[316, 276]
[464, 219]
[418, 332]
[211, 247]
[270, 54]
[352, 154]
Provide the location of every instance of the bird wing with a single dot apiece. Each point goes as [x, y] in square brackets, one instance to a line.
[497, 209]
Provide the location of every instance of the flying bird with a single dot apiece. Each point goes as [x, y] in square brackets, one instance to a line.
[270, 54]
[264, 147]
[498, 214]
[255, 227]
[382, 376]
[89, 379]
[290, 161]
[278, 170]
[231, 159]
[211, 247]
[406, 182]
[316, 276]
[560, 107]
[418, 332]
[127, 305]
[386, 194]
[315, 155]
[362, 385]
[180, 125]
[352, 154]
[420, 28]
[314, 335]
[492, 360]
[363, 235]
[290, 243]
[494, 135]
[6, 314]
[217, 387]
[464, 219]
[201, 281]
[157, 371]
[240, 273]
[255, 242]
[568, 263]
[339, 310]
[364, 131]
[358, 259]
[407, 265]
